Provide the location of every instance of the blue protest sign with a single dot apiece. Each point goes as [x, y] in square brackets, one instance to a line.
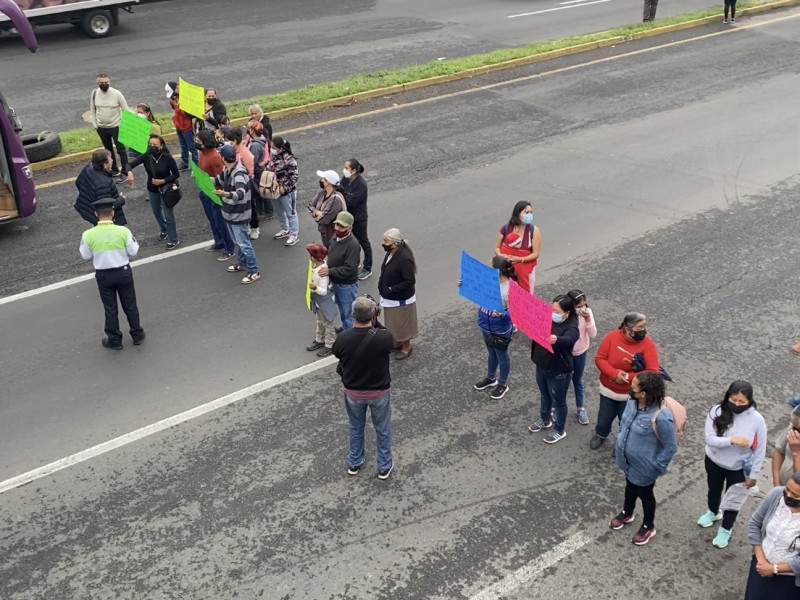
[480, 283]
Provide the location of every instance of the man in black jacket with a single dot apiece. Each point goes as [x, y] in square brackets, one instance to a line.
[363, 354]
[344, 253]
[94, 183]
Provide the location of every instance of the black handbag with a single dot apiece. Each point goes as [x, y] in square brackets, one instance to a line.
[171, 194]
[500, 342]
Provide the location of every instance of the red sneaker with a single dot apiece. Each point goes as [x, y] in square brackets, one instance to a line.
[621, 520]
[643, 535]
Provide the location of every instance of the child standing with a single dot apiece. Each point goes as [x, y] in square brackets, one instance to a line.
[322, 302]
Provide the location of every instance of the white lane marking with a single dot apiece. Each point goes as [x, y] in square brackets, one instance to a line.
[547, 10]
[524, 574]
[62, 284]
[572, 2]
[138, 434]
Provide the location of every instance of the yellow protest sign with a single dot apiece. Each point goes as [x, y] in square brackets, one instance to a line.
[191, 98]
[308, 283]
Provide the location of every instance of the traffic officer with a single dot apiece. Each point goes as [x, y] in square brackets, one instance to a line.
[108, 246]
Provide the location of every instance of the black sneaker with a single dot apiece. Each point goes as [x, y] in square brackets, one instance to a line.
[325, 352]
[596, 442]
[384, 475]
[315, 345]
[485, 383]
[139, 340]
[353, 470]
[162, 236]
[499, 392]
[172, 245]
[107, 344]
[183, 167]
[338, 330]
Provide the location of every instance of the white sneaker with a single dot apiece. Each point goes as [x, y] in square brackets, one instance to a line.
[254, 233]
[281, 234]
[293, 239]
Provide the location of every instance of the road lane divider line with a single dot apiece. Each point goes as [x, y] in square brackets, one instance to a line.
[547, 10]
[523, 575]
[394, 107]
[138, 434]
[81, 278]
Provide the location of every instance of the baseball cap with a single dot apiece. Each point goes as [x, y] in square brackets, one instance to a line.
[228, 152]
[332, 177]
[345, 219]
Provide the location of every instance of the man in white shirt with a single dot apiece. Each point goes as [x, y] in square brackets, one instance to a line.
[105, 106]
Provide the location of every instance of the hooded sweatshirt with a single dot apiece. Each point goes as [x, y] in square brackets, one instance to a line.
[749, 424]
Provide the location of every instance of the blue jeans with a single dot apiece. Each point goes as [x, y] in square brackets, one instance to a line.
[553, 387]
[186, 140]
[245, 255]
[165, 217]
[579, 364]
[222, 239]
[345, 295]
[286, 212]
[498, 358]
[381, 410]
[608, 411]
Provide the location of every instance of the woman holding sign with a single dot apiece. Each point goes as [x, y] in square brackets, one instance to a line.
[497, 330]
[519, 242]
[554, 369]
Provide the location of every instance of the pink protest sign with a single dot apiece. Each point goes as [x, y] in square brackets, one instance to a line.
[531, 314]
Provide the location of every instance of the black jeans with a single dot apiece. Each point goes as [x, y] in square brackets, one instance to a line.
[118, 282]
[109, 137]
[360, 233]
[730, 4]
[719, 478]
[650, 7]
[648, 498]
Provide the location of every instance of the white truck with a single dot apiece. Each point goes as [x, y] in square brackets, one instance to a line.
[96, 17]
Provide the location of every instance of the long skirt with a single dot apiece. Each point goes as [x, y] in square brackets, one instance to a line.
[780, 587]
[401, 321]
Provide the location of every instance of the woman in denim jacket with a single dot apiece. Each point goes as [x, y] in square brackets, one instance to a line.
[645, 446]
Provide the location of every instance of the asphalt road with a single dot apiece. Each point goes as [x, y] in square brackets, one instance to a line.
[663, 181]
[250, 47]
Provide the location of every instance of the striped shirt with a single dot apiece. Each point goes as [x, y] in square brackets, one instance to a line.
[108, 246]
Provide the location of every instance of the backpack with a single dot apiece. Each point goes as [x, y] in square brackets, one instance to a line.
[678, 413]
[268, 187]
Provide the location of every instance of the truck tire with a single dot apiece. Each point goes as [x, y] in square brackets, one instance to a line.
[42, 146]
[97, 23]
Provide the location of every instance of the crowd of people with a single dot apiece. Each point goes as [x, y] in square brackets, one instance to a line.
[255, 175]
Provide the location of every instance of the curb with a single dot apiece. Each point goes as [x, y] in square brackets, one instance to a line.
[431, 81]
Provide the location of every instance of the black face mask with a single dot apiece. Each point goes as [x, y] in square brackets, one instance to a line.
[104, 86]
[789, 501]
[387, 247]
[154, 150]
[737, 410]
[639, 335]
[211, 101]
[322, 185]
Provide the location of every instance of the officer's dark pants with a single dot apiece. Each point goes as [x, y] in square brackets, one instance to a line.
[113, 283]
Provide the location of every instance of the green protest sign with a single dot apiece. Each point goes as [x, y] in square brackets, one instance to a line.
[203, 182]
[134, 131]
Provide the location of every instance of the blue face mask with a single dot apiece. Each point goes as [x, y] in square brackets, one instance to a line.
[557, 318]
[527, 218]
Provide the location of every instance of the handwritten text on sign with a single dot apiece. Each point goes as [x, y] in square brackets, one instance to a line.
[531, 314]
[480, 283]
[191, 98]
[134, 131]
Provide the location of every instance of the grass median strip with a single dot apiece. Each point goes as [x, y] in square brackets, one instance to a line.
[83, 139]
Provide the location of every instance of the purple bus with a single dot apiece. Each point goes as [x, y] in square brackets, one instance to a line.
[17, 191]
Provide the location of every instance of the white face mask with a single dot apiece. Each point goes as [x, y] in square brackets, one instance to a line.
[347, 173]
[273, 151]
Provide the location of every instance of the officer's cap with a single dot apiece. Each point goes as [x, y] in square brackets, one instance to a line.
[104, 203]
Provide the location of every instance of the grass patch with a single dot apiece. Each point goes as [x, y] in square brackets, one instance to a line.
[78, 140]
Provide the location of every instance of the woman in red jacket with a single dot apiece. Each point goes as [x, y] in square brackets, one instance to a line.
[622, 353]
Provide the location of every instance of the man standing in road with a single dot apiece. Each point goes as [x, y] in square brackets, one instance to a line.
[94, 182]
[109, 247]
[363, 354]
[344, 253]
[106, 106]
